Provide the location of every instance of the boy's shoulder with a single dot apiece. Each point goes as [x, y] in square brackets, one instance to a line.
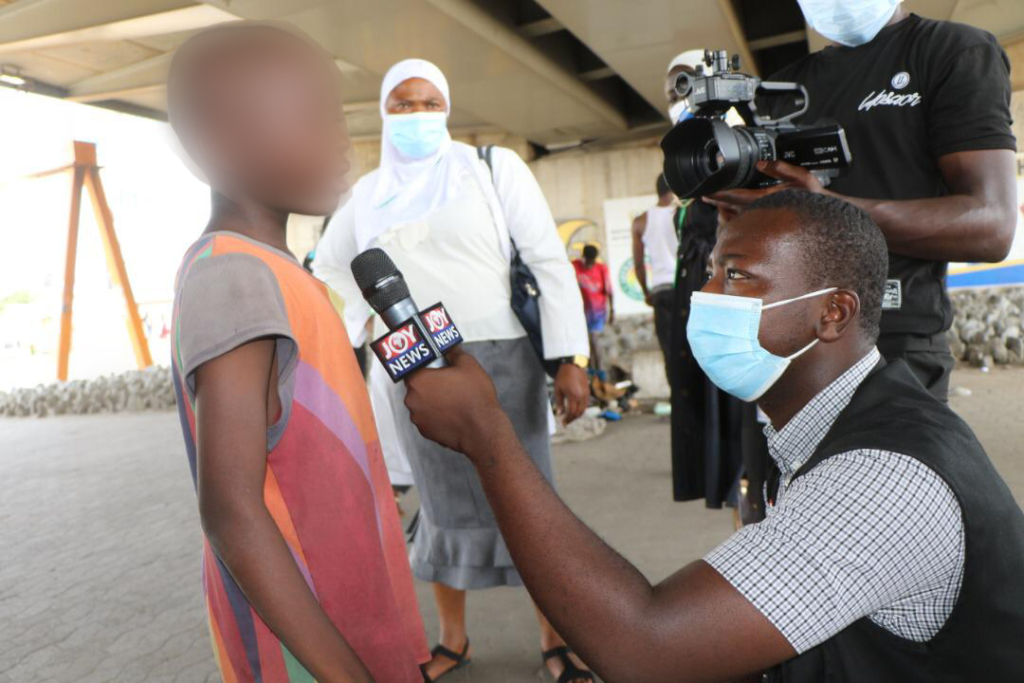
[214, 245]
[228, 292]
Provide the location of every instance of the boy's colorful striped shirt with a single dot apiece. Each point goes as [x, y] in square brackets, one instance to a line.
[326, 486]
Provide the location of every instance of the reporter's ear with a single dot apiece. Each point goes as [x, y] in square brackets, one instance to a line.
[840, 313]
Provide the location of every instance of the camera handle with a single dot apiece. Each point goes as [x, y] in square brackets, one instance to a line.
[774, 89]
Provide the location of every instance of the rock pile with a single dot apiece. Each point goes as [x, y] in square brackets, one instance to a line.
[622, 338]
[987, 328]
[149, 389]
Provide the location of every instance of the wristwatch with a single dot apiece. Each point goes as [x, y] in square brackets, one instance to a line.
[578, 360]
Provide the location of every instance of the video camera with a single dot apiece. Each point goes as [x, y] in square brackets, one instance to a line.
[704, 155]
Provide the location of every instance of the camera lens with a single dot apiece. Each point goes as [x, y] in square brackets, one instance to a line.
[712, 158]
[704, 156]
[749, 155]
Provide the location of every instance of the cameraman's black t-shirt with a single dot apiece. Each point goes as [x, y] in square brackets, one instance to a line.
[921, 89]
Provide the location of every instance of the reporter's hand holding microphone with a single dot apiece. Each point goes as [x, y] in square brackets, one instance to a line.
[450, 397]
[456, 406]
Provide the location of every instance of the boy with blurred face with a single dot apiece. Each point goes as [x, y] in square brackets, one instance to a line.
[844, 580]
[304, 569]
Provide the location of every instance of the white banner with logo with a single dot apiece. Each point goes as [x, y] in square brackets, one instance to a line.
[618, 223]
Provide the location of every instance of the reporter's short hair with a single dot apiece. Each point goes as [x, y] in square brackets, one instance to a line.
[590, 252]
[843, 248]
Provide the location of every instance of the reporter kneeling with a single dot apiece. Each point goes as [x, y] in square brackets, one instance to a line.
[845, 580]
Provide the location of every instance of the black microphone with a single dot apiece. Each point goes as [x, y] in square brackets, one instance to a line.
[385, 289]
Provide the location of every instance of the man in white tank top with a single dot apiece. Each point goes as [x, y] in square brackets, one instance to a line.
[655, 241]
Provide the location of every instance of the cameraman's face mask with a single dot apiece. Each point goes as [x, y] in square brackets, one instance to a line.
[722, 332]
[680, 111]
[849, 22]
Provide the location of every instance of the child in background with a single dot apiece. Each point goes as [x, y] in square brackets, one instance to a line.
[304, 567]
[596, 287]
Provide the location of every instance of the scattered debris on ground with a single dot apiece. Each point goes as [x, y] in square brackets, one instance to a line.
[586, 426]
[622, 338]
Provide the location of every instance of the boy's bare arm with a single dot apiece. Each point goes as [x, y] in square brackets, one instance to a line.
[231, 427]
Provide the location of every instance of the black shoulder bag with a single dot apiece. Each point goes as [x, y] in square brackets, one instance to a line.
[525, 290]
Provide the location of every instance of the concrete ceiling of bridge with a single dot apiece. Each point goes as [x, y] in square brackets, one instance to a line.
[552, 71]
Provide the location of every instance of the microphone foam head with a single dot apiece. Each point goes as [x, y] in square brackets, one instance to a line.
[379, 279]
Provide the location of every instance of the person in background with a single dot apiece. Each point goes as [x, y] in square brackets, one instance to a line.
[448, 221]
[708, 453]
[598, 305]
[846, 579]
[303, 565]
[926, 109]
[655, 237]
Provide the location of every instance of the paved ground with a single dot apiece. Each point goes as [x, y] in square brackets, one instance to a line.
[99, 567]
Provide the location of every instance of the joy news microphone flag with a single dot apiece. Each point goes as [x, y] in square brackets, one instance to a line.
[416, 338]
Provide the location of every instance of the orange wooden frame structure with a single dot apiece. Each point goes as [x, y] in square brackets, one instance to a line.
[87, 174]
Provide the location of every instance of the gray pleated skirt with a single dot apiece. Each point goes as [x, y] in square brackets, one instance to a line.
[457, 541]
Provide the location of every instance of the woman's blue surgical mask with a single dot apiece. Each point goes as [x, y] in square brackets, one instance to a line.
[417, 136]
[722, 332]
[849, 22]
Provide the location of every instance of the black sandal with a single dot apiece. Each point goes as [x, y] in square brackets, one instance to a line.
[570, 672]
[460, 661]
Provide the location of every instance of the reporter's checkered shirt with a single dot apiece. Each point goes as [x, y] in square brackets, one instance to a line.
[865, 533]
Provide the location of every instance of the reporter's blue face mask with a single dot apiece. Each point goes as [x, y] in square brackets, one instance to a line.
[417, 136]
[848, 22]
[722, 332]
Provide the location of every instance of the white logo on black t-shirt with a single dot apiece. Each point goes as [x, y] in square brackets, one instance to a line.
[888, 98]
[901, 80]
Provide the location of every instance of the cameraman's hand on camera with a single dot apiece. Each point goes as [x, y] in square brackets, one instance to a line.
[456, 406]
[730, 202]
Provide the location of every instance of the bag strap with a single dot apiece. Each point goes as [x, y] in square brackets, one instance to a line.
[485, 155]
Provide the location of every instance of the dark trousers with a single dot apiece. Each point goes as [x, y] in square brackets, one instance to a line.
[928, 357]
[754, 447]
[706, 424]
[663, 301]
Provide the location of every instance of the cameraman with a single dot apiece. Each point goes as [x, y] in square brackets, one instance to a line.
[926, 108]
[716, 438]
[706, 423]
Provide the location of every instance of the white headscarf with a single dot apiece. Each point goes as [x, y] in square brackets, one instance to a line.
[404, 190]
[692, 58]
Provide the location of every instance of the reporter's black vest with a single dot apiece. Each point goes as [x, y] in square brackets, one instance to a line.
[983, 639]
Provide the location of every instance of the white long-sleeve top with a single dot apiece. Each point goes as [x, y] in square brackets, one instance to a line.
[460, 255]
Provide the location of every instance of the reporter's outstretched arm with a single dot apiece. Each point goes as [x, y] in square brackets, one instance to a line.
[694, 626]
[231, 423]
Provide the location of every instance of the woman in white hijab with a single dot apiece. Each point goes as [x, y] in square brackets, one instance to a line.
[448, 222]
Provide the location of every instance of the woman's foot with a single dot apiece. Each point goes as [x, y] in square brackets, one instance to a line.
[560, 657]
[446, 659]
